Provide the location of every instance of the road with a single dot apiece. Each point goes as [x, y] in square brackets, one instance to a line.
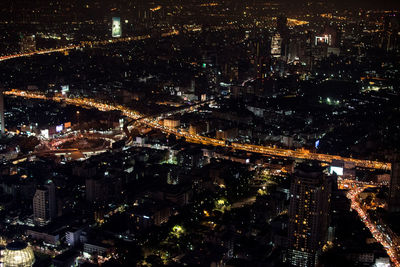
[166, 114]
[244, 202]
[194, 138]
[85, 44]
[39, 52]
[379, 232]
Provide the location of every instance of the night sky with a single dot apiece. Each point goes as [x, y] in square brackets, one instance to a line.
[354, 3]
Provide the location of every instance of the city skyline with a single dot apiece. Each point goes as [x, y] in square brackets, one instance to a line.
[199, 133]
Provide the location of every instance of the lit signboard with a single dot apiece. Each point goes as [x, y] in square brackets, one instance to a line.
[59, 128]
[67, 125]
[116, 27]
[337, 170]
[45, 133]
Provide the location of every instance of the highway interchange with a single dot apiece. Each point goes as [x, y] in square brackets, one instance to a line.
[154, 122]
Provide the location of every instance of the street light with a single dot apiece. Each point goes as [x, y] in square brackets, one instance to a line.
[78, 119]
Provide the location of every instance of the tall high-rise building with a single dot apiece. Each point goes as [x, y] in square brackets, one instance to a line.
[276, 45]
[394, 190]
[281, 25]
[18, 253]
[258, 45]
[94, 189]
[44, 204]
[390, 36]
[283, 30]
[310, 193]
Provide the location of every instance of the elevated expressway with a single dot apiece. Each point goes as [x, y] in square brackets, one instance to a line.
[154, 122]
[83, 44]
[379, 230]
[166, 114]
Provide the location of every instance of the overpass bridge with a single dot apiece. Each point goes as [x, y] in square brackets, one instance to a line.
[163, 115]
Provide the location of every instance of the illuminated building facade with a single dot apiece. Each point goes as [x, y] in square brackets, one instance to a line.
[18, 254]
[171, 123]
[330, 37]
[44, 204]
[276, 45]
[283, 30]
[310, 193]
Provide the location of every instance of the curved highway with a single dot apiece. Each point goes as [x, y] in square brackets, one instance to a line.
[378, 232]
[85, 44]
[193, 138]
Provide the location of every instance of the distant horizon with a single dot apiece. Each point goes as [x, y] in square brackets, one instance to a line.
[391, 4]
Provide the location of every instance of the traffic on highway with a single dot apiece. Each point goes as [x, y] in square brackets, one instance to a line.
[154, 122]
[379, 232]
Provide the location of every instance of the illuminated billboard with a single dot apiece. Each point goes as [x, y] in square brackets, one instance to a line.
[67, 125]
[45, 133]
[337, 170]
[116, 27]
[59, 128]
[64, 89]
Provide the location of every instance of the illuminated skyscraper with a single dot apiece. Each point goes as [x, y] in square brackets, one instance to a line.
[310, 193]
[394, 191]
[44, 204]
[276, 45]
